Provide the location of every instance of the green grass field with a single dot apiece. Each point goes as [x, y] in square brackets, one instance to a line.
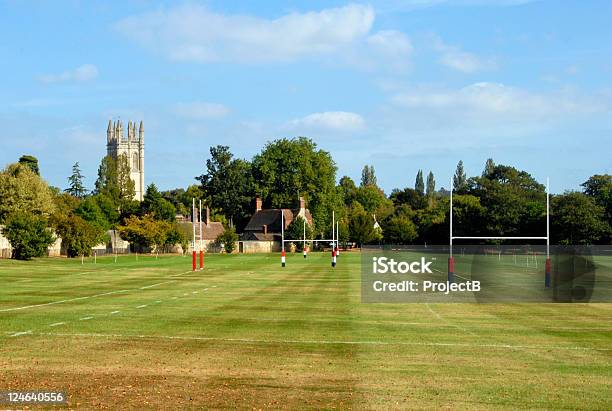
[247, 333]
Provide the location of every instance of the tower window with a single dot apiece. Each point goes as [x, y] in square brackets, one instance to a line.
[135, 162]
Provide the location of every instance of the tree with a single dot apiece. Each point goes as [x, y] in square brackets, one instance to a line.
[146, 232]
[31, 162]
[368, 176]
[154, 204]
[514, 201]
[599, 187]
[78, 236]
[431, 186]
[399, 229]
[228, 240]
[114, 180]
[361, 226]
[228, 184]
[289, 168]
[295, 231]
[22, 190]
[28, 235]
[578, 220]
[489, 168]
[76, 189]
[373, 200]
[348, 189]
[419, 185]
[460, 178]
[408, 196]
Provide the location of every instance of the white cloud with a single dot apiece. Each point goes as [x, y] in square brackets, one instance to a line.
[390, 42]
[86, 72]
[329, 120]
[496, 98]
[194, 33]
[201, 110]
[457, 59]
[342, 35]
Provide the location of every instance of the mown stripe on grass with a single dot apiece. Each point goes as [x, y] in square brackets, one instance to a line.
[319, 342]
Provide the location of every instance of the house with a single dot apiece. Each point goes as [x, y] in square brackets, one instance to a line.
[263, 232]
[211, 230]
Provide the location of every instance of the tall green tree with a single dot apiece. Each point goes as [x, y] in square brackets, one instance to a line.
[228, 184]
[400, 228]
[28, 235]
[599, 187]
[31, 162]
[155, 205]
[361, 226]
[76, 188]
[408, 196]
[289, 168]
[577, 219]
[419, 184]
[114, 180]
[460, 178]
[368, 176]
[489, 168]
[514, 201]
[348, 190]
[22, 190]
[431, 185]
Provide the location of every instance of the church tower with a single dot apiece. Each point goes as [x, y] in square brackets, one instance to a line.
[132, 146]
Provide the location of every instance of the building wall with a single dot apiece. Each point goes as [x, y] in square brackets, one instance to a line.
[250, 247]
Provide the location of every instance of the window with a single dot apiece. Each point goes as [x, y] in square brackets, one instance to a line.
[135, 162]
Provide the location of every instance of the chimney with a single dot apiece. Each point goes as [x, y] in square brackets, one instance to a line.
[302, 204]
[265, 229]
[207, 217]
[257, 204]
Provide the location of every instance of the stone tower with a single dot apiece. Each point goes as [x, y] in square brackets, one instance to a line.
[132, 146]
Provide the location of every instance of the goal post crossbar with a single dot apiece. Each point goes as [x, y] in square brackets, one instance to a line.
[497, 238]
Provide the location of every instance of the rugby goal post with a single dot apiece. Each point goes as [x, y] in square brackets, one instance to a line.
[304, 240]
[451, 260]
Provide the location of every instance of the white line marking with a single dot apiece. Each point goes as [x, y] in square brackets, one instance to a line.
[155, 285]
[328, 342]
[85, 318]
[63, 301]
[115, 312]
[4, 310]
[142, 306]
[56, 324]
[21, 333]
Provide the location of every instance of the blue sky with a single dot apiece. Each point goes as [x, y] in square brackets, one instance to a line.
[402, 85]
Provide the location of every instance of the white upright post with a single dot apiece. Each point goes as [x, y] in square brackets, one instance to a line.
[547, 268]
[451, 218]
[451, 260]
[282, 238]
[201, 238]
[337, 238]
[304, 243]
[333, 239]
[193, 242]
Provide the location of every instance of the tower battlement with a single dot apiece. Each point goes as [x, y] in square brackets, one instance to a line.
[132, 146]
